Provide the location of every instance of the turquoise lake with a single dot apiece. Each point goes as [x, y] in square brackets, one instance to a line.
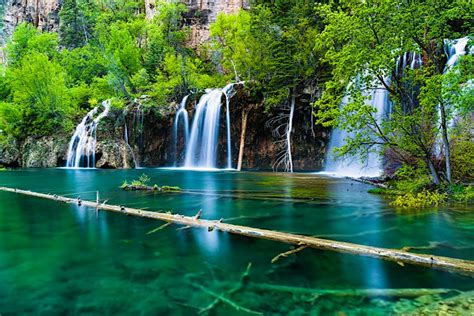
[64, 259]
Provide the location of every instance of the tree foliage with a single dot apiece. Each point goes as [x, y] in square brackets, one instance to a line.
[364, 42]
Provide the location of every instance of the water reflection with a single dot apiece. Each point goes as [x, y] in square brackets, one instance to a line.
[213, 243]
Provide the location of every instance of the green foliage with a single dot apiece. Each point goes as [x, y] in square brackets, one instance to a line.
[26, 39]
[142, 181]
[411, 179]
[420, 200]
[40, 101]
[167, 188]
[462, 193]
[362, 41]
[108, 51]
[77, 19]
[270, 46]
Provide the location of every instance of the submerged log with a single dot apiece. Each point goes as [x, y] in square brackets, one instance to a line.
[398, 293]
[399, 256]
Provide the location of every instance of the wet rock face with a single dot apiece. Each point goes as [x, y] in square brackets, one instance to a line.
[263, 146]
[44, 14]
[9, 155]
[113, 154]
[44, 152]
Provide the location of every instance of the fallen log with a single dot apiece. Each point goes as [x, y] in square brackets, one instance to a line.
[294, 290]
[395, 255]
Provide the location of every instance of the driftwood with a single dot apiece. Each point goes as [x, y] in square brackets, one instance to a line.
[399, 256]
[373, 181]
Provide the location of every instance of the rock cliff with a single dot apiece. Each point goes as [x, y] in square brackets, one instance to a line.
[44, 14]
[201, 13]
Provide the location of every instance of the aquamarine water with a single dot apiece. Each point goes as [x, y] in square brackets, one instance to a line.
[64, 259]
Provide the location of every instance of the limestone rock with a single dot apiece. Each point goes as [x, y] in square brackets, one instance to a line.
[44, 152]
[113, 154]
[9, 155]
[44, 14]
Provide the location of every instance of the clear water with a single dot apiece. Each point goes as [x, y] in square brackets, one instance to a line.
[64, 259]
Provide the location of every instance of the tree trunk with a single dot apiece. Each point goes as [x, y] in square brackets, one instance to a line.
[447, 150]
[399, 256]
[433, 172]
[288, 133]
[243, 131]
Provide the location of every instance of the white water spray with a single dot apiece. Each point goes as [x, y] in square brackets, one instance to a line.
[202, 139]
[353, 166]
[81, 150]
[181, 115]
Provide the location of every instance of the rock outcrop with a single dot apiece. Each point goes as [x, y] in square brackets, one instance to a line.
[43, 152]
[113, 154]
[201, 14]
[44, 14]
[9, 155]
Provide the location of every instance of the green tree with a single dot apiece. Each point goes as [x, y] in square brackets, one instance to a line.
[40, 101]
[364, 40]
[77, 19]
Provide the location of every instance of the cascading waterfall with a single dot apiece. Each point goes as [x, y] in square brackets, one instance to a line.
[181, 115]
[454, 50]
[353, 166]
[201, 151]
[201, 140]
[81, 150]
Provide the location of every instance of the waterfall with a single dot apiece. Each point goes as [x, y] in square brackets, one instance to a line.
[181, 115]
[228, 91]
[81, 151]
[201, 151]
[454, 49]
[202, 138]
[125, 136]
[353, 166]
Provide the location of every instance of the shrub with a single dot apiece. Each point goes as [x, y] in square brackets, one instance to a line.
[420, 200]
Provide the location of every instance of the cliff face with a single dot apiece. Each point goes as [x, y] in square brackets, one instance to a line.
[201, 13]
[44, 14]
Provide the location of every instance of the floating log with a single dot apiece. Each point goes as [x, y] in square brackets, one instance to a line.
[395, 255]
